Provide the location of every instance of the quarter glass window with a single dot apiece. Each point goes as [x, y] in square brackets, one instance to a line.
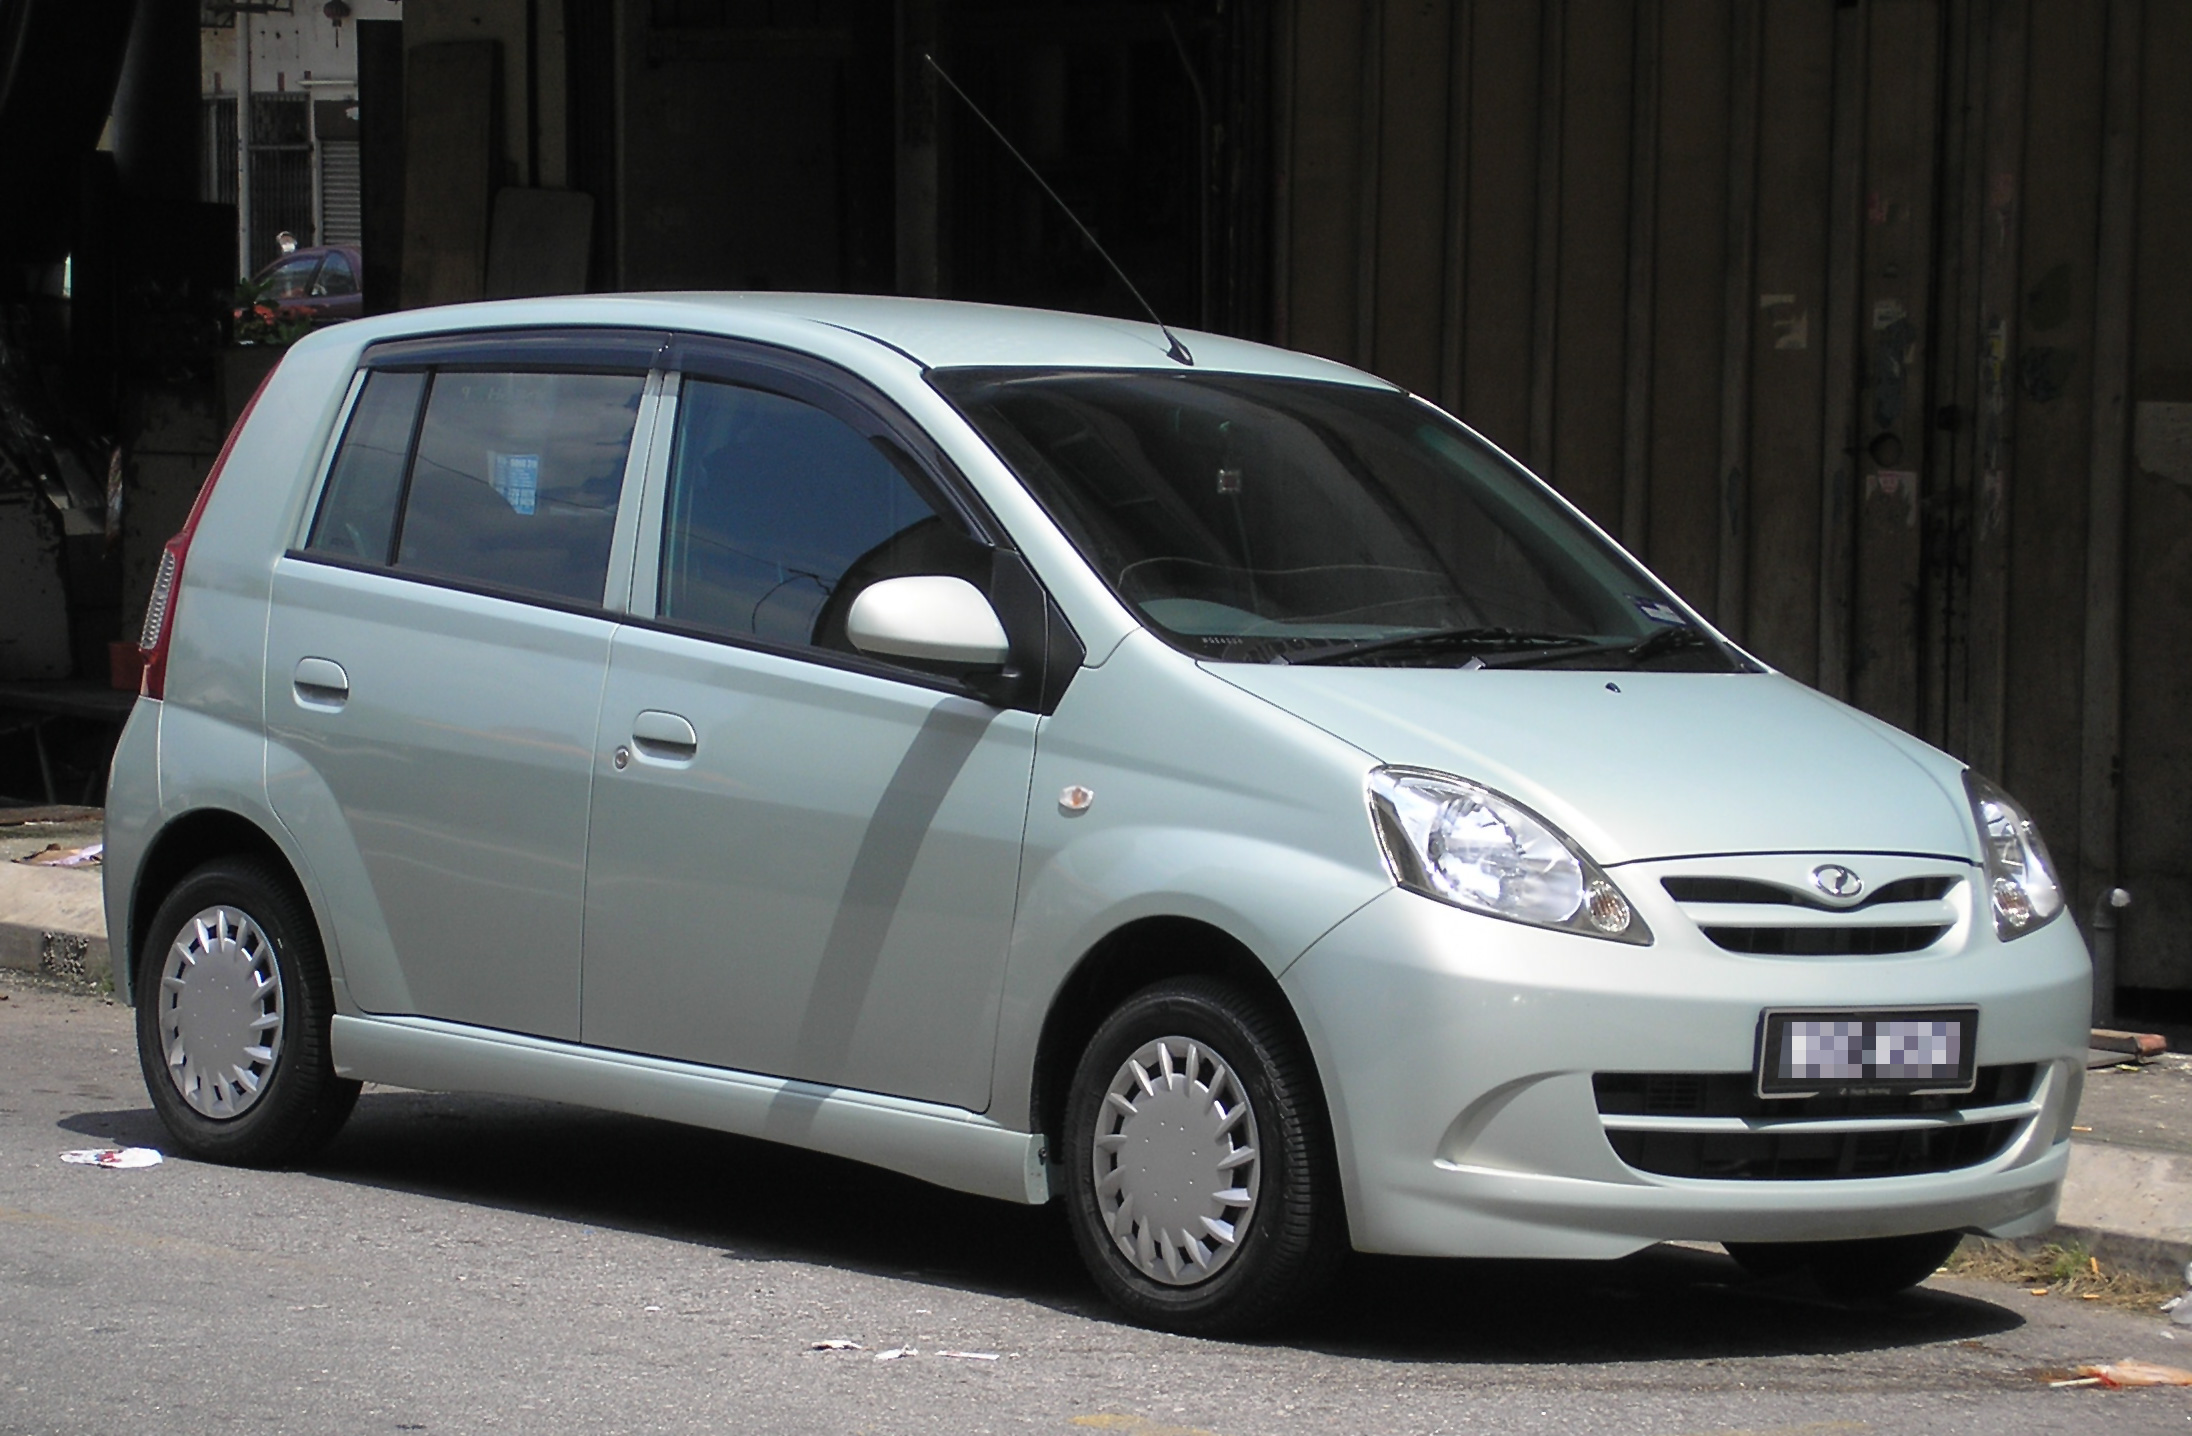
[779, 513]
[517, 479]
[358, 515]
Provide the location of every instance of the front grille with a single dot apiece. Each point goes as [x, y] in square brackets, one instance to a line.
[1811, 1156]
[1825, 941]
[1748, 890]
[1646, 1111]
[1735, 1094]
[1727, 911]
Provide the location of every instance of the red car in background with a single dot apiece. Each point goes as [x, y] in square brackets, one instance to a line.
[325, 283]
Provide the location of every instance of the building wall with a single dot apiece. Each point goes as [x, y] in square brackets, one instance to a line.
[1865, 323]
[533, 141]
[303, 74]
[286, 50]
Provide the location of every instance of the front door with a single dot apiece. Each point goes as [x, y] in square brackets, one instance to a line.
[803, 861]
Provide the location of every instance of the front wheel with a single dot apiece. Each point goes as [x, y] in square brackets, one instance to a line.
[1199, 1172]
[1863, 1270]
[233, 1012]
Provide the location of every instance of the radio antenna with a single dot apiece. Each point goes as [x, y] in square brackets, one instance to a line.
[1176, 350]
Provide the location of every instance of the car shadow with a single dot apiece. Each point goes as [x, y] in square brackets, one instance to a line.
[756, 1201]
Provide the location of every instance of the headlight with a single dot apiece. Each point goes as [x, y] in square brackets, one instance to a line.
[1453, 840]
[2020, 875]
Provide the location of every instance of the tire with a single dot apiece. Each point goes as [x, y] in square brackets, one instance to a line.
[1868, 1269]
[1217, 1242]
[233, 967]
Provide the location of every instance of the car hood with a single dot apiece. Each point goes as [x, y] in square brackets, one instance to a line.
[1648, 765]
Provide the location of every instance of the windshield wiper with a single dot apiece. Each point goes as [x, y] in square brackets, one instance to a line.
[1653, 645]
[1437, 640]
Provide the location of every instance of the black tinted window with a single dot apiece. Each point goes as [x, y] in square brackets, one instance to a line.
[779, 513]
[516, 481]
[358, 514]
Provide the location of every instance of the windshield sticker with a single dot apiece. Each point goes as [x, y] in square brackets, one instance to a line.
[1657, 611]
[517, 478]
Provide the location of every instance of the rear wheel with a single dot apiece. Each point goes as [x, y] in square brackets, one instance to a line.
[1862, 1270]
[233, 1011]
[1199, 1174]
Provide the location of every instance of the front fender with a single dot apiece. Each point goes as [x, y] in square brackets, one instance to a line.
[1208, 804]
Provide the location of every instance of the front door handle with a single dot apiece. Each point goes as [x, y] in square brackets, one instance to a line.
[321, 683]
[665, 737]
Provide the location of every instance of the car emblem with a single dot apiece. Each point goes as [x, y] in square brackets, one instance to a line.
[1836, 881]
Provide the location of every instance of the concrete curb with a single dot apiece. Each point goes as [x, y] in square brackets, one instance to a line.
[2129, 1206]
[53, 922]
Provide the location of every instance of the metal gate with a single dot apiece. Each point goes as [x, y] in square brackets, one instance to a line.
[281, 173]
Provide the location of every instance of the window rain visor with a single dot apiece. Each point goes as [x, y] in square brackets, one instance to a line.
[1255, 519]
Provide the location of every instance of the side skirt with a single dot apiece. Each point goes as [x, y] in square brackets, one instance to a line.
[949, 1146]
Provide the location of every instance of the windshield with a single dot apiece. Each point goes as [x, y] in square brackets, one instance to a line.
[1257, 519]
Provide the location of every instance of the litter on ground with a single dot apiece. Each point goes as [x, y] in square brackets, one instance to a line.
[53, 855]
[119, 1158]
[2116, 1374]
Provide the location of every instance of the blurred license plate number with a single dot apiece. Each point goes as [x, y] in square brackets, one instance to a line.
[1852, 1053]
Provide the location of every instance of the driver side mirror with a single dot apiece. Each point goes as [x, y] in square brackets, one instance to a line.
[928, 616]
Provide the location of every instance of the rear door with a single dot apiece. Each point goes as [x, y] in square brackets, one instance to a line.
[435, 661]
[803, 860]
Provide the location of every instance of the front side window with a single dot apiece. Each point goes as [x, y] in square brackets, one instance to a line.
[292, 278]
[779, 512]
[1257, 519]
[507, 481]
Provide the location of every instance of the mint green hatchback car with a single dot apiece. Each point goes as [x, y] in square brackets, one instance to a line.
[1214, 789]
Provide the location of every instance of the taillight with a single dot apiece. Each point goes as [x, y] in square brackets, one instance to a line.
[167, 584]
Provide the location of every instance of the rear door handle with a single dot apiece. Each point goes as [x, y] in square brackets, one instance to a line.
[321, 683]
[665, 737]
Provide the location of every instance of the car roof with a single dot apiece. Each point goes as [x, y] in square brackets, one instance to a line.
[935, 333]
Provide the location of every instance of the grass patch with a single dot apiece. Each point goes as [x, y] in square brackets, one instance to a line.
[2066, 1271]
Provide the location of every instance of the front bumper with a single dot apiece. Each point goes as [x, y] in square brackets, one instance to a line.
[1457, 1054]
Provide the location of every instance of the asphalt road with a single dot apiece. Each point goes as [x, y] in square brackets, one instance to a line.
[466, 1264]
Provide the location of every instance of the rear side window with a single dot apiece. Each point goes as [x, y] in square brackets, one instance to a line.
[779, 513]
[335, 277]
[516, 480]
[507, 481]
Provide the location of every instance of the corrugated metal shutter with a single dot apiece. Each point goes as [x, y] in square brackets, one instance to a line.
[341, 212]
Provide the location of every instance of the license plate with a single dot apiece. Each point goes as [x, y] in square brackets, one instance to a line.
[1865, 1051]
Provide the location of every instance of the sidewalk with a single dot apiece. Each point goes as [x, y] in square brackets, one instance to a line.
[2128, 1199]
[52, 920]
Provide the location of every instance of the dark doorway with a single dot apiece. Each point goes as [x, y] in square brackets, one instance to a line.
[1147, 119]
[757, 146]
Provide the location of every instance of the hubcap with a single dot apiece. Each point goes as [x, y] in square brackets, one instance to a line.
[1176, 1163]
[220, 1012]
